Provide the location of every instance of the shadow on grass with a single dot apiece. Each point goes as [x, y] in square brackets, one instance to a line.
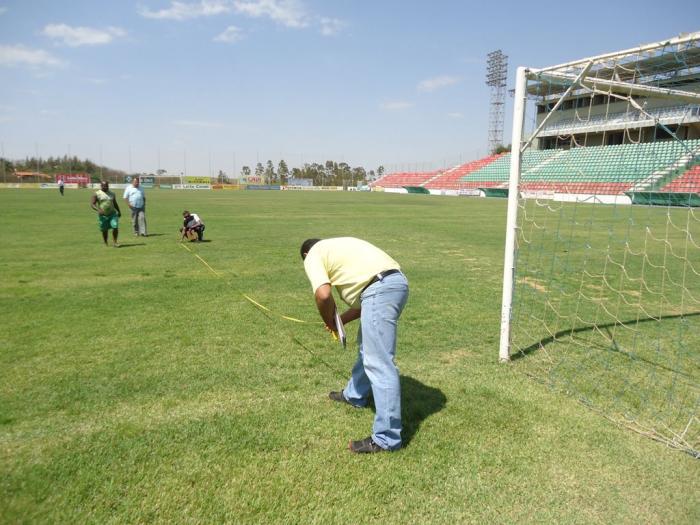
[613, 344]
[418, 402]
[131, 245]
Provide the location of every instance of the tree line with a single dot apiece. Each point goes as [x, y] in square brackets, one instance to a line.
[330, 173]
[55, 165]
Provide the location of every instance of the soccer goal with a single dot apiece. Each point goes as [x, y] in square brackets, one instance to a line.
[601, 284]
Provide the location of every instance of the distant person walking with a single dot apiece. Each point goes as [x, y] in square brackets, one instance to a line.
[60, 186]
[104, 202]
[136, 199]
[372, 284]
[192, 227]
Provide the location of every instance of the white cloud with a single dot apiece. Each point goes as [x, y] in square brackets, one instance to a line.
[230, 35]
[3, 10]
[455, 114]
[432, 84]
[96, 81]
[397, 105]
[289, 13]
[198, 124]
[82, 36]
[22, 56]
[188, 10]
[331, 26]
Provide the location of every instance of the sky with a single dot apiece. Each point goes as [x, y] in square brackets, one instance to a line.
[198, 86]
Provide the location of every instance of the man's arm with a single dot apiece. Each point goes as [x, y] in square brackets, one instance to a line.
[350, 315]
[116, 207]
[126, 197]
[93, 205]
[326, 305]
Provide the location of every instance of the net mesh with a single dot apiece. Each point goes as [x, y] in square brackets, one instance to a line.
[607, 296]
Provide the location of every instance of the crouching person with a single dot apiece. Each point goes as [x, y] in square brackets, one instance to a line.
[192, 227]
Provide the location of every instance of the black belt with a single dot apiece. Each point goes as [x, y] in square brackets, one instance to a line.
[379, 277]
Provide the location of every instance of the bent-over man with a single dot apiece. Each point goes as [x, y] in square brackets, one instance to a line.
[372, 284]
[192, 227]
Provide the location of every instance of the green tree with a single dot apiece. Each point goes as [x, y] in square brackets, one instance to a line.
[245, 173]
[283, 172]
[270, 175]
[259, 171]
[359, 175]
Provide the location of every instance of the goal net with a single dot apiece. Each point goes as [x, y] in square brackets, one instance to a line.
[601, 295]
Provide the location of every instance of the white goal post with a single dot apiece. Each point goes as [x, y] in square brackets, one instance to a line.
[601, 276]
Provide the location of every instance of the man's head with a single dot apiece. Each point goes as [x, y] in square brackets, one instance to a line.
[306, 246]
[104, 185]
[185, 213]
[135, 182]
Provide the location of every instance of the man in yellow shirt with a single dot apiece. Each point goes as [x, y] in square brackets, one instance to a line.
[372, 285]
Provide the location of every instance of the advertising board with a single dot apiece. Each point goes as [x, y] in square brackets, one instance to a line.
[197, 180]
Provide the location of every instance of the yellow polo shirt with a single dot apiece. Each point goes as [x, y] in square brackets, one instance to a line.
[347, 263]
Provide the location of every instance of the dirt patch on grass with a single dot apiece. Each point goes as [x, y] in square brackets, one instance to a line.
[533, 283]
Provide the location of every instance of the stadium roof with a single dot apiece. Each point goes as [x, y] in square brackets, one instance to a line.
[668, 63]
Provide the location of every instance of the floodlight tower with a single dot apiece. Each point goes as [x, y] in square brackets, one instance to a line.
[496, 77]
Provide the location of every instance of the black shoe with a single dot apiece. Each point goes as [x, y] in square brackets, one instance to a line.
[339, 397]
[365, 446]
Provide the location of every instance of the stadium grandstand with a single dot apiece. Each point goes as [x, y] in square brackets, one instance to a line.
[589, 141]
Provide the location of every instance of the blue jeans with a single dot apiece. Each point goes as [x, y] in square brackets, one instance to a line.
[375, 370]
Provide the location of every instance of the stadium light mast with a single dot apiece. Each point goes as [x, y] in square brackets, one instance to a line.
[496, 77]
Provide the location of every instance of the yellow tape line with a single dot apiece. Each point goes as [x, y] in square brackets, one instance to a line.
[262, 307]
[270, 311]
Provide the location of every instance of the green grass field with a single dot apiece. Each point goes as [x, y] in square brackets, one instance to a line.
[138, 386]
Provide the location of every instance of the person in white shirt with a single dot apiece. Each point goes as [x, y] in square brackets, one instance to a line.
[192, 227]
[136, 199]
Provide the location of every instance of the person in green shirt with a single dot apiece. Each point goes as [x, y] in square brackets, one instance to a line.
[104, 202]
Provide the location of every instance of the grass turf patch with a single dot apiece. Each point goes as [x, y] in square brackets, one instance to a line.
[136, 385]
